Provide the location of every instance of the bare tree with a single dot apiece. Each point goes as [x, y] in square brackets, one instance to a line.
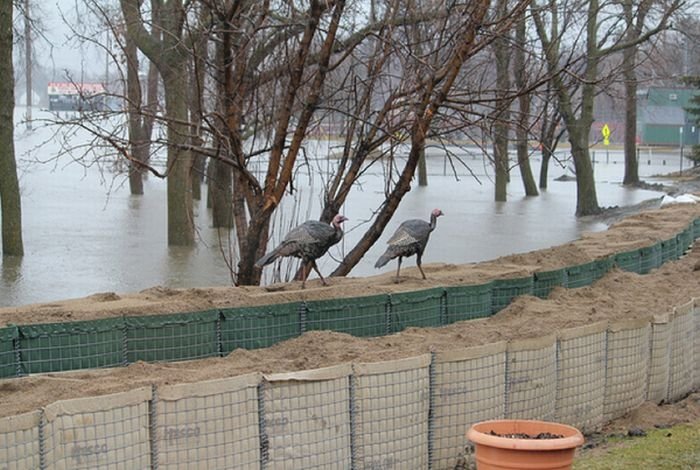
[165, 46]
[10, 201]
[584, 68]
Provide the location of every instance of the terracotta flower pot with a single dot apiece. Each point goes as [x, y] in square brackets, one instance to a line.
[501, 453]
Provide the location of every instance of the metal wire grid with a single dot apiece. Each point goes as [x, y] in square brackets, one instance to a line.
[505, 290]
[215, 430]
[680, 379]
[531, 380]
[308, 424]
[581, 380]
[650, 258]
[416, 309]
[19, 442]
[364, 316]
[392, 419]
[172, 341]
[581, 275]
[465, 392]
[116, 438]
[259, 327]
[55, 352]
[546, 281]
[659, 361]
[626, 375]
[468, 302]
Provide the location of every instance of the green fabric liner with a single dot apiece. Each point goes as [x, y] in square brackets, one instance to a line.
[669, 250]
[602, 266]
[696, 228]
[53, 347]
[358, 316]
[504, 290]
[580, 275]
[545, 281]
[260, 326]
[650, 258]
[629, 261]
[468, 302]
[8, 366]
[172, 337]
[419, 308]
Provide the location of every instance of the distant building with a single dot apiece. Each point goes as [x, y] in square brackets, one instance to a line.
[68, 96]
[662, 118]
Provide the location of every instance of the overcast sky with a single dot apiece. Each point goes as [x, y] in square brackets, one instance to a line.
[61, 50]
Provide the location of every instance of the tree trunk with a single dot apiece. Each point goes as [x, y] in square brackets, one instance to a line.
[631, 164]
[10, 201]
[629, 64]
[422, 169]
[502, 114]
[546, 154]
[28, 61]
[180, 211]
[521, 133]
[221, 195]
[586, 197]
[137, 138]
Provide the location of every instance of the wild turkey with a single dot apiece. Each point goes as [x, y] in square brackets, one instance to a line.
[408, 240]
[307, 241]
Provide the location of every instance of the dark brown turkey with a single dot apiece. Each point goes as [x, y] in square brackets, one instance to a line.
[308, 241]
[409, 239]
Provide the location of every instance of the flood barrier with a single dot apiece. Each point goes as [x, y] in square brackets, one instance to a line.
[406, 413]
[113, 342]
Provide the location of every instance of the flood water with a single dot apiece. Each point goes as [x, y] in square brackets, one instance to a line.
[84, 233]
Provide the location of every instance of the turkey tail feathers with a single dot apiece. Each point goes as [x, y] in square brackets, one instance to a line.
[384, 259]
[267, 259]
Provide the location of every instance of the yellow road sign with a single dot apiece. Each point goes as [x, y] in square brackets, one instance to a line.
[606, 134]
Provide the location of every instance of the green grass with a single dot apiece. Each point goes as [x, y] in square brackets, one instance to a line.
[676, 448]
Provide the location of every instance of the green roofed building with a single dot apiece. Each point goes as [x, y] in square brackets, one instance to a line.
[662, 113]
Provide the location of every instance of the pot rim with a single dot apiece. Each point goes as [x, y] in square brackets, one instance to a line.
[572, 436]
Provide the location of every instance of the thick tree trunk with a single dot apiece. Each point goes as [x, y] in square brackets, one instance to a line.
[631, 164]
[521, 133]
[10, 201]
[29, 62]
[137, 144]
[546, 154]
[180, 211]
[502, 114]
[586, 196]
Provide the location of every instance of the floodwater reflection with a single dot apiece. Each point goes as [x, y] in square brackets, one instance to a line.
[84, 233]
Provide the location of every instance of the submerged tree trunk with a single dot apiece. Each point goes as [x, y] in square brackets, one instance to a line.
[29, 62]
[169, 54]
[502, 114]
[629, 64]
[521, 74]
[10, 201]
